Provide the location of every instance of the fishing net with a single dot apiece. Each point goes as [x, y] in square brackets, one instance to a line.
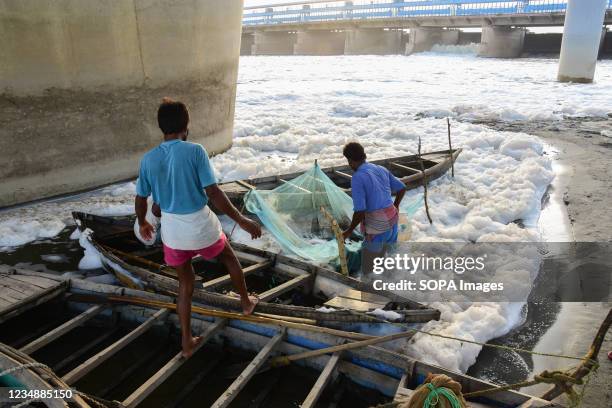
[292, 214]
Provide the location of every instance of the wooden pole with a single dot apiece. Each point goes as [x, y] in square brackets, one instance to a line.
[340, 239]
[238, 316]
[450, 148]
[285, 360]
[424, 179]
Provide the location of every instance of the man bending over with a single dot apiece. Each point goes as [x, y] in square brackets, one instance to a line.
[181, 179]
[373, 205]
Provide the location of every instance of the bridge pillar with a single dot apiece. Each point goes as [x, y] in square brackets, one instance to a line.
[273, 43]
[501, 42]
[373, 41]
[423, 39]
[582, 34]
[246, 43]
[80, 82]
[319, 42]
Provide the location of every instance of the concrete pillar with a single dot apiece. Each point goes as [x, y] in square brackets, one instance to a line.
[273, 43]
[320, 42]
[582, 35]
[80, 82]
[372, 41]
[423, 39]
[246, 43]
[501, 42]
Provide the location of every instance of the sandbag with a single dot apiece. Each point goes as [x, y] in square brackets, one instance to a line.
[437, 399]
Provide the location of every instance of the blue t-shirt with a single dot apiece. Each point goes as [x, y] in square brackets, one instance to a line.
[372, 186]
[176, 173]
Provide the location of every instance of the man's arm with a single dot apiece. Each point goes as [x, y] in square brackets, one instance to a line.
[220, 200]
[140, 206]
[358, 217]
[399, 197]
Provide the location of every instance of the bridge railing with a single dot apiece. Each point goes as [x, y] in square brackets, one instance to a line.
[385, 9]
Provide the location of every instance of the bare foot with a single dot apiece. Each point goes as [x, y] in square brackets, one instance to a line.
[247, 308]
[189, 346]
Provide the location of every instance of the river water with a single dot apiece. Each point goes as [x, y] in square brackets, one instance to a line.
[293, 110]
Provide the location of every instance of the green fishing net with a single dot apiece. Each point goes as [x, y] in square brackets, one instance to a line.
[292, 214]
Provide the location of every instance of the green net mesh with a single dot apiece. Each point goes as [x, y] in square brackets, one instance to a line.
[292, 214]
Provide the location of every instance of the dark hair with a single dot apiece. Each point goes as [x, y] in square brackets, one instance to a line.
[172, 116]
[354, 151]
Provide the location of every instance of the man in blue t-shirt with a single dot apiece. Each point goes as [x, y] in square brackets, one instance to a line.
[179, 176]
[372, 187]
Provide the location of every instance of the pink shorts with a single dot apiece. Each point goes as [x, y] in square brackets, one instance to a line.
[176, 257]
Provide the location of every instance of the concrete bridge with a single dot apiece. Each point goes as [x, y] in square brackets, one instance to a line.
[404, 27]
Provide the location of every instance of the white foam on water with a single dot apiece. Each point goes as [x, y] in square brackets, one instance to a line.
[91, 258]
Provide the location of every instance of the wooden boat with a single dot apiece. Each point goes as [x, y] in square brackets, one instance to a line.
[406, 168]
[119, 347]
[285, 286]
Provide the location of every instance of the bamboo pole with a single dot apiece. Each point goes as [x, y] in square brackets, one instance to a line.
[424, 179]
[285, 360]
[450, 148]
[237, 316]
[339, 238]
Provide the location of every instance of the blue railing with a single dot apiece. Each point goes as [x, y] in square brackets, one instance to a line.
[354, 10]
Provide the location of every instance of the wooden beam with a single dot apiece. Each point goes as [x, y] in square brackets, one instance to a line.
[248, 257]
[284, 287]
[232, 391]
[84, 350]
[94, 361]
[401, 166]
[203, 371]
[225, 279]
[171, 366]
[324, 378]
[342, 174]
[62, 329]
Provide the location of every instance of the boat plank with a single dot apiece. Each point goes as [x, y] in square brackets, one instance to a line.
[404, 167]
[225, 279]
[39, 281]
[171, 366]
[94, 361]
[13, 307]
[342, 174]
[62, 329]
[364, 296]
[18, 285]
[340, 302]
[232, 391]
[324, 378]
[247, 257]
[285, 287]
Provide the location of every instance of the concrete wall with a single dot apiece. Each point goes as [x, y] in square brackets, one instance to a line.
[468, 38]
[273, 43]
[501, 42]
[606, 46]
[538, 44]
[320, 42]
[423, 39]
[372, 42]
[246, 44]
[80, 82]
